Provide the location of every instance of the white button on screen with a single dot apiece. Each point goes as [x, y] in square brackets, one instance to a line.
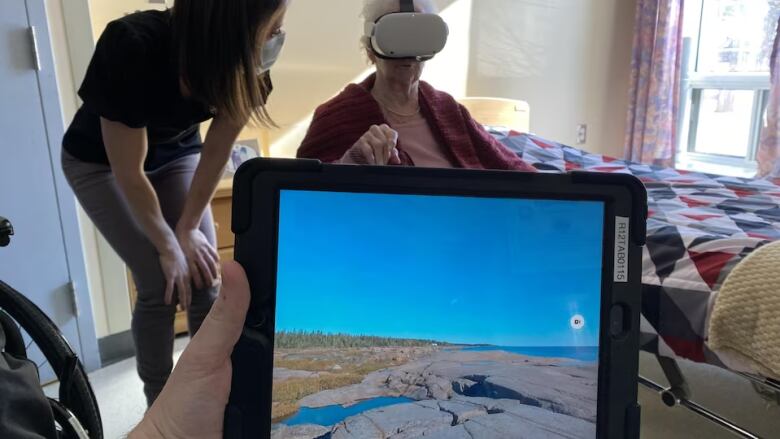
[577, 322]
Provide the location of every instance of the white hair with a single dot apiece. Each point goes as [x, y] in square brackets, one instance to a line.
[374, 9]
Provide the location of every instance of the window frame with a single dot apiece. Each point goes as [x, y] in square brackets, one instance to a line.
[693, 84]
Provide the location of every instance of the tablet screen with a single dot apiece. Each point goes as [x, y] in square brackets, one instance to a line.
[436, 316]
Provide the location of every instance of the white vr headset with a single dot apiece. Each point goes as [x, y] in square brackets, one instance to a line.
[407, 34]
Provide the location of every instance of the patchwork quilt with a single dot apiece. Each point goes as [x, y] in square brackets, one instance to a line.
[700, 227]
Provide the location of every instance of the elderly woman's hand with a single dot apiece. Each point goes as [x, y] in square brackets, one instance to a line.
[376, 147]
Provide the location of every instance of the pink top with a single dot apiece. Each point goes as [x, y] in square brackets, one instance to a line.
[340, 122]
[419, 142]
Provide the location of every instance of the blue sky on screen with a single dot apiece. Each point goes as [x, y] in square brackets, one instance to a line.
[506, 272]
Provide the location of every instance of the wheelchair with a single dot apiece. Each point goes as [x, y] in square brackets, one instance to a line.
[75, 409]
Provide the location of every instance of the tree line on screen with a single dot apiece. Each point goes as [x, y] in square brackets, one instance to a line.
[318, 339]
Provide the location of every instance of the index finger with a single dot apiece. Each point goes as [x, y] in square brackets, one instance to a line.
[390, 134]
[169, 291]
[197, 278]
[183, 287]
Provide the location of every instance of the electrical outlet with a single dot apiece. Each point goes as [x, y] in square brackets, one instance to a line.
[582, 134]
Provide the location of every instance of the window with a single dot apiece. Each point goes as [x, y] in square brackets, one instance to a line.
[727, 47]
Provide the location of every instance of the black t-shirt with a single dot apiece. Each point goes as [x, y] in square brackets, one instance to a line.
[133, 79]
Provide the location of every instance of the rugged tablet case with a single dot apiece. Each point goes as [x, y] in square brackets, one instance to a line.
[248, 414]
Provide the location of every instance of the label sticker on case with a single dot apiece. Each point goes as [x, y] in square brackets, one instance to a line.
[621, 249]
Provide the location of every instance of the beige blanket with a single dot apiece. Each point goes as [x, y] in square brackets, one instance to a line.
[745, 323]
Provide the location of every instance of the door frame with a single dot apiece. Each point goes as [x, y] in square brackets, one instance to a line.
[71, 21]
[71, 232]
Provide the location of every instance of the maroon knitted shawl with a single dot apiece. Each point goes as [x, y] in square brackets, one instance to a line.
[340, 122]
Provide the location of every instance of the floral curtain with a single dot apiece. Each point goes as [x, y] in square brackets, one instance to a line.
[651, 135]
[769, 150]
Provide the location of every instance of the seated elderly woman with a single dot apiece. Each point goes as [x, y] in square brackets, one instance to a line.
[394, 118]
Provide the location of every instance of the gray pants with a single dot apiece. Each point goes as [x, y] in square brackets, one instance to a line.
[152, 325]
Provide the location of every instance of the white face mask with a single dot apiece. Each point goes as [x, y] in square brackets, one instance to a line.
[270, 52]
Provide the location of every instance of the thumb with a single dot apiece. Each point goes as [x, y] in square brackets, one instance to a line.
[218, 334]
[395, 157]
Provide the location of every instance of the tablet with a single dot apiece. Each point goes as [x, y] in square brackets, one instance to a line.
[406, 302]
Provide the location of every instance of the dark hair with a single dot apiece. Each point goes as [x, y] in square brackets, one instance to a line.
[216, 43]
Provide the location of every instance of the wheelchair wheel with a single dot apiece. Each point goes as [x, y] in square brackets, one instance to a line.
[75, 392]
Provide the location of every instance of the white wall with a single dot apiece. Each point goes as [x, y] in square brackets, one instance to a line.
[449, 71]
[569, 59]
[322, 54]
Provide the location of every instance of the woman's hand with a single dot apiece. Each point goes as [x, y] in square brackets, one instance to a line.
[126, 149]
[201, 257]
[176, 272]
[376, 147]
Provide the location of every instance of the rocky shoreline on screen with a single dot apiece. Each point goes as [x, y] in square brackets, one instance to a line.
[468, 394]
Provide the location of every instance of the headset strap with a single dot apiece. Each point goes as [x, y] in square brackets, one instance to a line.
[407, 5]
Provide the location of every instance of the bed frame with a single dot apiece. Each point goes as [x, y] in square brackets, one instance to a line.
[679, 394]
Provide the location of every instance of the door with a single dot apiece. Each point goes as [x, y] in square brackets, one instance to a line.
[44, 255]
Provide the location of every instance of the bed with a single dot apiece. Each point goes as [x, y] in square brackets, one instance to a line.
[701, 227]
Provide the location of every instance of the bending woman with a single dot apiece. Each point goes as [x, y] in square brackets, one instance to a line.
[134, 157]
